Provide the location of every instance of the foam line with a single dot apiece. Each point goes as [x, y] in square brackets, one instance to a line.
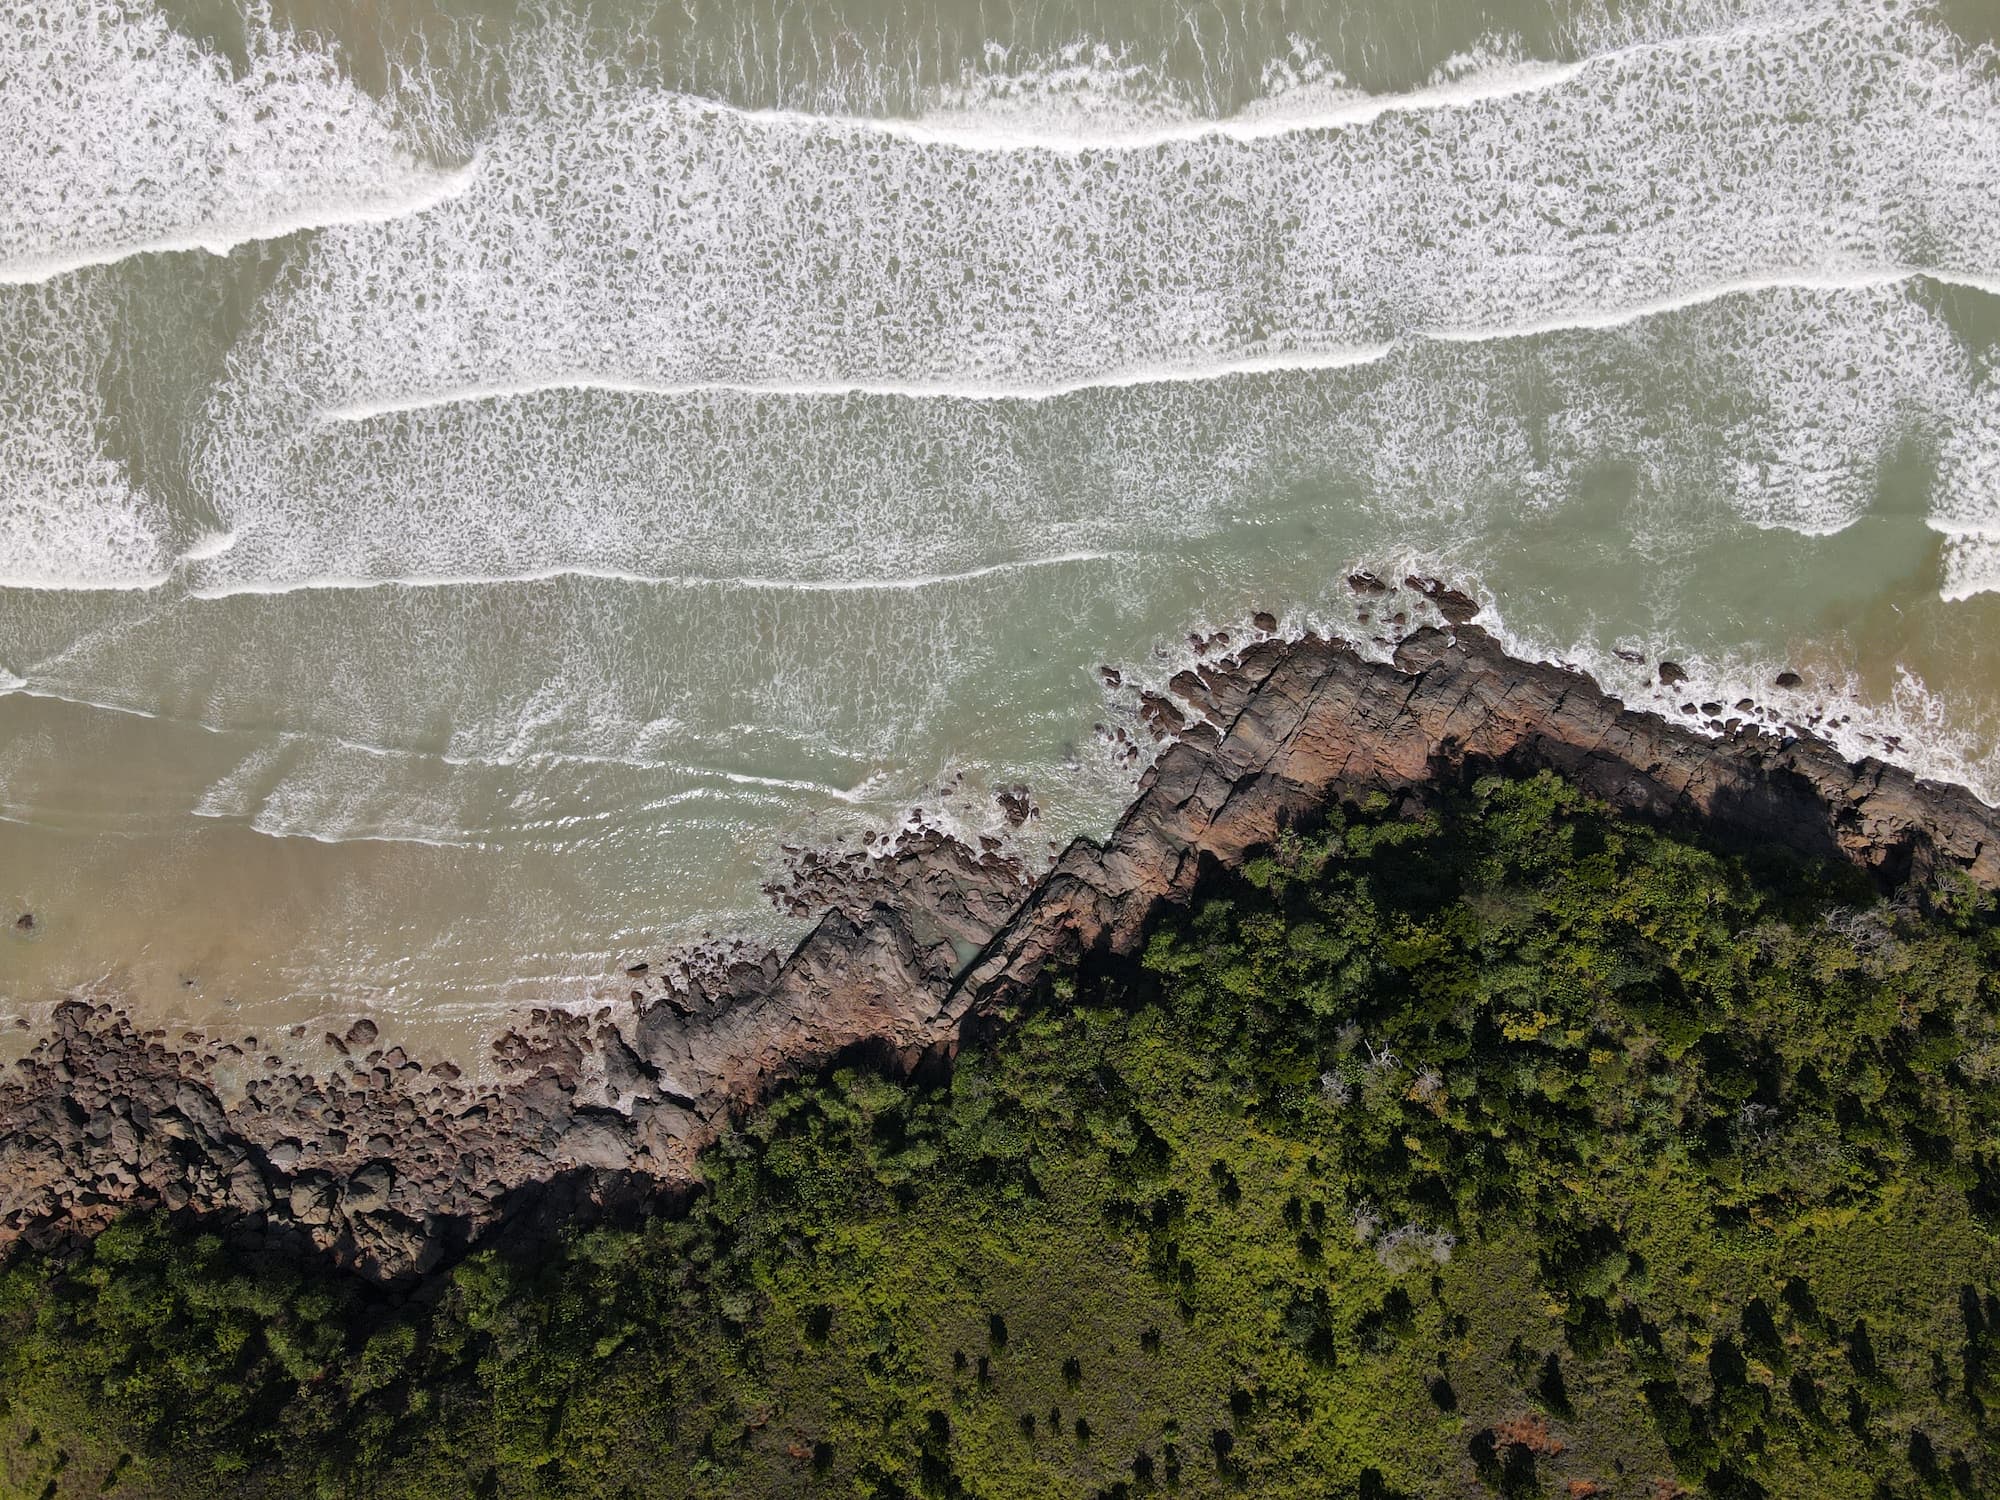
[221, 239]
[1856, 280]
[211, 546]
[1261, 364]
[135, 584]
[990, 136]
[382, 837]
[10, 683]
[1801, 391]
[612, 575]
[1304, 361]
[1971, 562]
[1268, 123]
[787, 784]
[740, 790]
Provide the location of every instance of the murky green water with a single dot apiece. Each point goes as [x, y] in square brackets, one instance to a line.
[476, 481]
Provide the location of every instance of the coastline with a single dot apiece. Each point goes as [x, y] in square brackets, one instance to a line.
[389, 1166]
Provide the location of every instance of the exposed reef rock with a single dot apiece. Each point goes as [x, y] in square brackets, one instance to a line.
[390, 1167]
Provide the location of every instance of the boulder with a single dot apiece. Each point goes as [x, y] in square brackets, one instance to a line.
[312, 1198]
[1455, 605]
[597, 1138]
[368, 1189]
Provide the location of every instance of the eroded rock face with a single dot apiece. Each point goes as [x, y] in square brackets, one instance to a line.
[389, 1167]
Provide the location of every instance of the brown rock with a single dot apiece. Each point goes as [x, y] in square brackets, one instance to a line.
[1455, 606]
[914, 943]
[1016, 804]
[311, 1199]
[1161, 715]
[597, 1138]
[1672, 673]
[368, 1189]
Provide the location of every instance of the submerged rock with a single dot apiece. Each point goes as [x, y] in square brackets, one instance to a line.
[1016, 805]
[1455, 605]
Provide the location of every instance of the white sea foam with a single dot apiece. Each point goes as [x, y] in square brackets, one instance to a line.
[1782, 403]
[70, 515]
[634, 241]
[213, 545]
[1248, 363]
[745, 467]
[1971, 564]
[123, 136]
[1966, 503]
[1271, 362]
[1911, 726]
[989, 119]
[237, 794]
[765, 585]
[335, 790]
[1094, 96]
[702, 681]
[220, 237]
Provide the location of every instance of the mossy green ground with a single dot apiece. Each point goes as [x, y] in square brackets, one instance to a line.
[1514, 1149]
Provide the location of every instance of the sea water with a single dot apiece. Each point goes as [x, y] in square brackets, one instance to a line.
[477, 482]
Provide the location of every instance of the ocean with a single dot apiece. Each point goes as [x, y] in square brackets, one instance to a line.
[480, 481]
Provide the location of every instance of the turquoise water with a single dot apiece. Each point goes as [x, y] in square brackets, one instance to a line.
[475, 482]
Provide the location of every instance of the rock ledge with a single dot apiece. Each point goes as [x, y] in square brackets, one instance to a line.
[389, 1167]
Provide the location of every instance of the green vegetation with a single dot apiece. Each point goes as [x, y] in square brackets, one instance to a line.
[1513, 1150]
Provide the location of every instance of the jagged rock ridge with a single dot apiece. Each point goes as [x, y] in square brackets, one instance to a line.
[389, 1167]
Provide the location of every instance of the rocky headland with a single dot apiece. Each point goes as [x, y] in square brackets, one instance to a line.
[369, 1157]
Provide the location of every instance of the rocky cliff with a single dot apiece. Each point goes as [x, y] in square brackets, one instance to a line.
[381, 1163]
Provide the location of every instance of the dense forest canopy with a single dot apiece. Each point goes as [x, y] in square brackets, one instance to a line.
[1502, 1147]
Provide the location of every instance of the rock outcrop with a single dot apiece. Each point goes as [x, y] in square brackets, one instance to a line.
[389, 1167]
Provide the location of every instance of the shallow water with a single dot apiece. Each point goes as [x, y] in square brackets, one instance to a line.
[476, 481]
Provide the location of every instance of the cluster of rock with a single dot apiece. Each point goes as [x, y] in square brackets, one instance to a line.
[388, 1166]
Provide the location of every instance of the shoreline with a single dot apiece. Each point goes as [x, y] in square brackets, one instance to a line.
[389, 1166]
